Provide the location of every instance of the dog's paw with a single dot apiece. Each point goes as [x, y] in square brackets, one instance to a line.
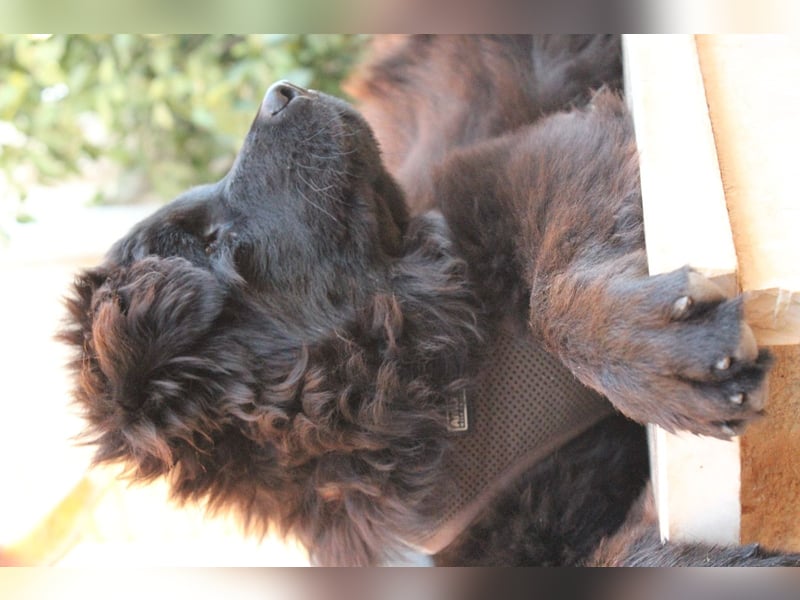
[691, 362]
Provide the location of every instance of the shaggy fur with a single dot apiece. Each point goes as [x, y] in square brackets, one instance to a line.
[283, 342]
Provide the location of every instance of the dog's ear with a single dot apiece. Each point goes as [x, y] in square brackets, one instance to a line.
[149, 313]
[133, 328]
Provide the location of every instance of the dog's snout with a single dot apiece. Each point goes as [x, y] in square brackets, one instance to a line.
[279, 95]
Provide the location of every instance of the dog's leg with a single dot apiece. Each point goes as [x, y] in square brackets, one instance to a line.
[423, 103]
[637, 544]
[670, 349]
[557, 229]
[646, 550]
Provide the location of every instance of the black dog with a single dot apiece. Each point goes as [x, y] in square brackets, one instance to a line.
[298, 341]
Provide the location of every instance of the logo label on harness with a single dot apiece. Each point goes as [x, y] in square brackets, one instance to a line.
[458, 413]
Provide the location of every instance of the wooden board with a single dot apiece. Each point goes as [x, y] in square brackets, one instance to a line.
[686, 222]
[752, 84]
[770, 471]
[753, 88]
[686, 219]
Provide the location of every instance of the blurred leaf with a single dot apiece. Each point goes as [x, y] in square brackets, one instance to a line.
[162, 116]
[171, 108]
[106, 69]
[13, 93]
[202, 117]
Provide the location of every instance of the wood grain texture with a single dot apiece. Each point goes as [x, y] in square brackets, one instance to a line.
[752, 84]
[753, 88]
[770, 466]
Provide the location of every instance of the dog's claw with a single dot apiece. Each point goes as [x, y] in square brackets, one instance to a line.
[723, 364]
[737, 398]
[681, 307]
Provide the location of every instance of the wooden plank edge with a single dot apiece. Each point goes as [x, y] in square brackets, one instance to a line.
[696, 480]
[774, 316]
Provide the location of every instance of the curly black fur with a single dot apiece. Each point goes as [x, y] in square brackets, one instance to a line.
[283, 343]
[183, 376]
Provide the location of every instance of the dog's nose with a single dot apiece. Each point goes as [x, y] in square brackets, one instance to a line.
[279, 95]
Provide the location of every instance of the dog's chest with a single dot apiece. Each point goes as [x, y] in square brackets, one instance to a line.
[526, 404]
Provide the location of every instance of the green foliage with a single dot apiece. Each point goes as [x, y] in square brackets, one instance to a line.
[170, 109]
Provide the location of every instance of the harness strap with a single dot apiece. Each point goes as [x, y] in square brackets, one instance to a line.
[526, 404]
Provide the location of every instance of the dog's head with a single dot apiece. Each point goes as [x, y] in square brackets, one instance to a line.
[246, 338]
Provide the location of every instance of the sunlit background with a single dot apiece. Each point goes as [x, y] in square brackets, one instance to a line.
[95, 132]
